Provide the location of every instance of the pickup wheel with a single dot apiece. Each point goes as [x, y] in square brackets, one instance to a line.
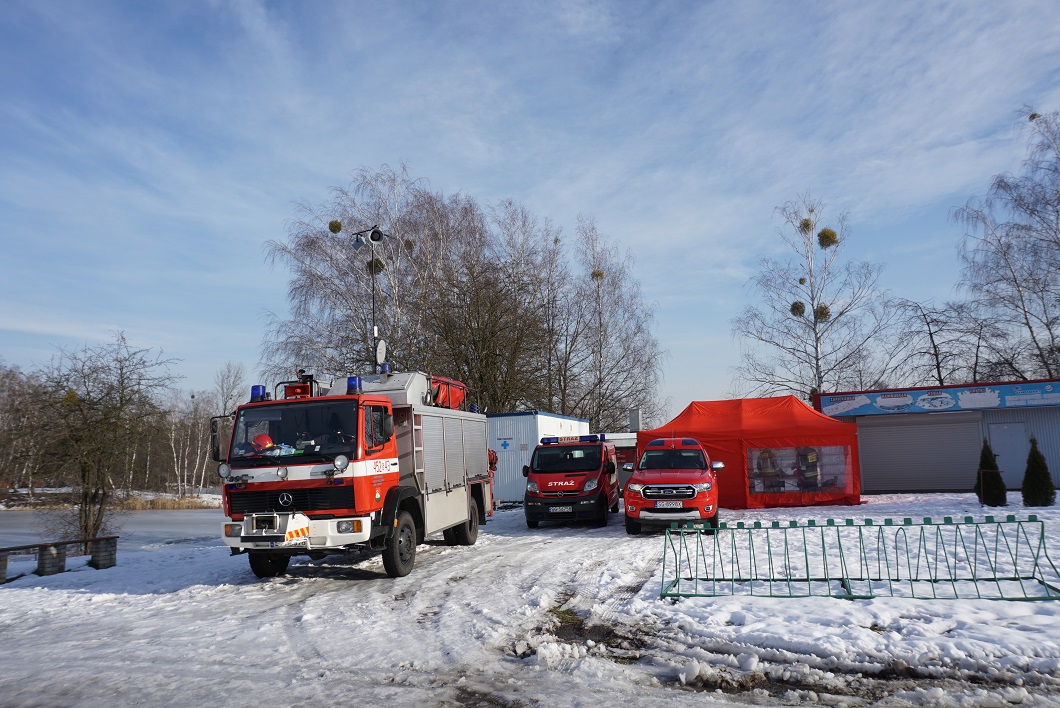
[466, 533]
[713, 522]
[632, 526]
[399, 555]
[268, 565]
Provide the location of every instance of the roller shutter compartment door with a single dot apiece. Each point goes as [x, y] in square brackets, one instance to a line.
[919, 453]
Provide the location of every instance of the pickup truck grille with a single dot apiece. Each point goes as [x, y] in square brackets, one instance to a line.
[312, 499]
[669, 491]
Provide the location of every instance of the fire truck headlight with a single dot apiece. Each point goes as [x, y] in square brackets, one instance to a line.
[703, 487]
[531, 487]
[341, 462]
[224, 470]
[233, 530]
[591, 484]
[282, 473]
[348, 526]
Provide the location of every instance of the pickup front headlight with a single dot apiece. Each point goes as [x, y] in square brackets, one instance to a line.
[703, 487]
[591, 484]
[635, 488]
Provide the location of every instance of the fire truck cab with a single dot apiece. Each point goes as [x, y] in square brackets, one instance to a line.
[571, 478]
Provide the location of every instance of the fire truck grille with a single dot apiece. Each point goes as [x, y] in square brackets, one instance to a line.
[671, 491]
[314, 499]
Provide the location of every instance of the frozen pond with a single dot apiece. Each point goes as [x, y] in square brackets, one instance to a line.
[139, 530]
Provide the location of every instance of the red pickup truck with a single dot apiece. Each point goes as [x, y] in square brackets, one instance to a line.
[673, 481]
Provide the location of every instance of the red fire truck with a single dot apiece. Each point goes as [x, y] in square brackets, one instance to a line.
[673, 481]
[379, 462]
[571, 478]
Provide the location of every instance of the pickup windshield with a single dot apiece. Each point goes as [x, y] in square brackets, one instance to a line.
[672, 460]
[566, 458]
[290, 433]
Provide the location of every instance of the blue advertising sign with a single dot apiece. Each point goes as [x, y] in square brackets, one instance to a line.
[957, 398]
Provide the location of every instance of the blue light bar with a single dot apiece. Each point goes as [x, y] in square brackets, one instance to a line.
[257, 393]
[591, 438]
[550, 441]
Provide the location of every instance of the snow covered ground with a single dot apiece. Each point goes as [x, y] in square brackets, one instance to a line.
[558, 616]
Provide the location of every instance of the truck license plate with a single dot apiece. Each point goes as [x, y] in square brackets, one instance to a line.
[561, 509]
[668, 505]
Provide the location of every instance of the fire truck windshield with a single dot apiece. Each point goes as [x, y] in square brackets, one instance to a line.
[566, 458]
[294, 431]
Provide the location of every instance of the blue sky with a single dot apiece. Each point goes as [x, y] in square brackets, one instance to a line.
[150, 149]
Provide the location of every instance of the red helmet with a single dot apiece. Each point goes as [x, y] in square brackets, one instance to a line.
[262, 442]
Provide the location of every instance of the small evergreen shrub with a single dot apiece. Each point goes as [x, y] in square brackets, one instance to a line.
[1038, 487]
[989, 487]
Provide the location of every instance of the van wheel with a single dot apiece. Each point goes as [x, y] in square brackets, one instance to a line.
[632, 526]
[616, 506]
[399, 555]
[268, 565]
[601, 520]
[532, 523]
[466, 533]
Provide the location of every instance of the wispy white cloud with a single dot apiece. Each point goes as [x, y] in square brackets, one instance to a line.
[151, 151]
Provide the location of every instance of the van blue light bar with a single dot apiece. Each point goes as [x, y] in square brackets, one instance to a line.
[550, 441]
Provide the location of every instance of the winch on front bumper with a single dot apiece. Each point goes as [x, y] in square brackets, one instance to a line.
[296, 531]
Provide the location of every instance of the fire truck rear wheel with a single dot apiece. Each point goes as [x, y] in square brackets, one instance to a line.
[467, 533]
[268, 565]
[399, 555]
[632, 526]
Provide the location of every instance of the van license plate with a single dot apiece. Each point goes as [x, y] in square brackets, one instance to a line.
[561, 509]
[668, 505]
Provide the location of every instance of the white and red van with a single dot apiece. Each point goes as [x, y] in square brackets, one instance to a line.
[571, 478]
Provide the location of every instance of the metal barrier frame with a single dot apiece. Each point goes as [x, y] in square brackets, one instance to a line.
[989, 559]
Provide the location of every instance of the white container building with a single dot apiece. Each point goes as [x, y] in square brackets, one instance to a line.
[513, 436]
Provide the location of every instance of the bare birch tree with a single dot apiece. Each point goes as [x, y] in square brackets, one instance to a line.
[822, 321]
[1011, 256]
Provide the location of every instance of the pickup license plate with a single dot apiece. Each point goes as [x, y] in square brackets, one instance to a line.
[561, 509]
[668, 505]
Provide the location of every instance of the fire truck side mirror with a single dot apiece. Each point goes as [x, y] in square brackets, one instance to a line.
[388, 427]
[526, 470]
[218, 433]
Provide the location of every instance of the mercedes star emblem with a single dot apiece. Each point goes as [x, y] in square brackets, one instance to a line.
[286, 499]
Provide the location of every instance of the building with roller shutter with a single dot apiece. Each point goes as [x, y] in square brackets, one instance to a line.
[928, 439]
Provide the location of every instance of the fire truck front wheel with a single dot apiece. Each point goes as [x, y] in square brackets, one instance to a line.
[268, 565]
[399, 555]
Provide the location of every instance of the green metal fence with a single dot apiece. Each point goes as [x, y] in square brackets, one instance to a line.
[988, 559]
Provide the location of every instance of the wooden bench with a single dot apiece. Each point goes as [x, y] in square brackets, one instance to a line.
[51, 556]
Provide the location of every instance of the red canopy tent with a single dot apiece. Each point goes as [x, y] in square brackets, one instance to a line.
[777, 451]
